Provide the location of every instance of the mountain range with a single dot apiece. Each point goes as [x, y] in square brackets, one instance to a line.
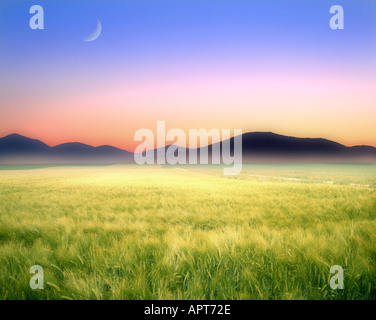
[19, 149]
[256, 147]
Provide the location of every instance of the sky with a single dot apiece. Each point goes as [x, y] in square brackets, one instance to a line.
[255, 65]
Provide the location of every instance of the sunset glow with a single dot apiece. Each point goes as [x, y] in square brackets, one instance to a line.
[191, 64]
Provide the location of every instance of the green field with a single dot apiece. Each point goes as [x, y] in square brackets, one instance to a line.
[188, 232]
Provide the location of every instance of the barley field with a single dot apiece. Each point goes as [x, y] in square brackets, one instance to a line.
[188, 232]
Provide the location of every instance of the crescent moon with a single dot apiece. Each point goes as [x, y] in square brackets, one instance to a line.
[96, 33]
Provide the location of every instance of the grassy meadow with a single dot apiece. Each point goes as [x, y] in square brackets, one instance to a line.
[188, 232]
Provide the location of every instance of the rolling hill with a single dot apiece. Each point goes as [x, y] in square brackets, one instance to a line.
[256, 147]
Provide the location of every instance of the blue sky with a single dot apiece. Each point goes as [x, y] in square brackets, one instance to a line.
[160, 31]
[172, 51]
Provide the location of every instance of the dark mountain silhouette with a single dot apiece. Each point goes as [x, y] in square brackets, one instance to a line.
[19, 149]
[17, 144]
[72, 148]
[86, 152]
[256, 147]
[269, 142]
[271, 147]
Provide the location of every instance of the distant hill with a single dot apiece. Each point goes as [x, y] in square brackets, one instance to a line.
[274, 147]
[271, 147]
[19, 149]
[17, 144]
[268, 142]
[256, 147]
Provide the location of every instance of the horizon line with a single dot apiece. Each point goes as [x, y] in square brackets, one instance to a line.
[167, 145]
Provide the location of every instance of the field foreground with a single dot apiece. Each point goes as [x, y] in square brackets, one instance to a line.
[151, 232]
